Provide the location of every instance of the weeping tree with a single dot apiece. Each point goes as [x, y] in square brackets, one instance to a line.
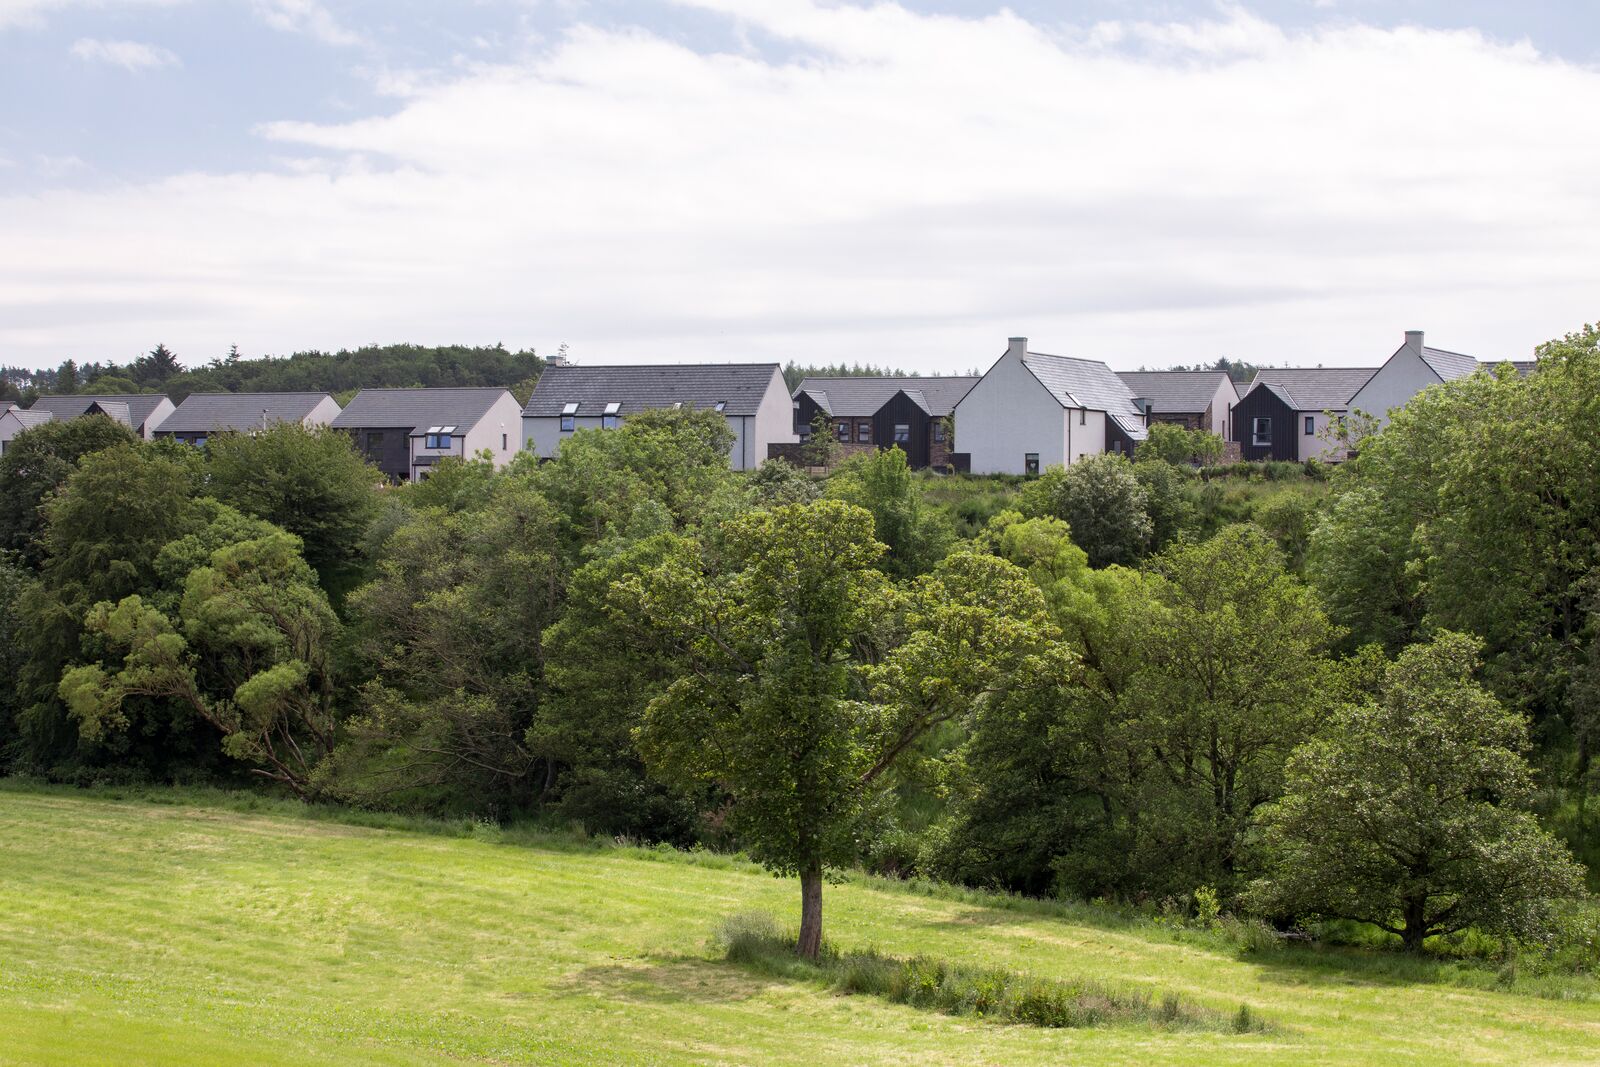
[804, 673]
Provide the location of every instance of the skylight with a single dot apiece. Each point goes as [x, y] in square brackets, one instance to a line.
[721, 404]
[613, 407]
[569, 409]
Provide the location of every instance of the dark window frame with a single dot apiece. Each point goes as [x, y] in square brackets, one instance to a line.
[1311, 425]
[1030, 464]
[1259, 437]
[569, 423]
[902, 433]
[863, 432]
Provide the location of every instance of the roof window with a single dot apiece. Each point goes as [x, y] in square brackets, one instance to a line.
[721, 404]
[569, 409]
[613, 407]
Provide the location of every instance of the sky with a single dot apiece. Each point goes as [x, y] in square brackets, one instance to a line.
[1148, 183]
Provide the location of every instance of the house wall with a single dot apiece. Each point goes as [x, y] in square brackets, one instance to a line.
[9, 428]
[1218, 418]
[773, 423]
[1086, 433]
[499, 432]
[1007, 415]
[157, 416]
[1263, 403]
[390, 452]
[1316, 446]
[1397, 381]
[424, 459]
[899, 410]
[326, 411]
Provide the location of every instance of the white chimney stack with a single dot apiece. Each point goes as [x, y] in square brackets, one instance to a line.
[1016, 346]
[1414, 341]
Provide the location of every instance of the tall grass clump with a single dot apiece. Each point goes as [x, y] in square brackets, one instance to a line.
[756, 941]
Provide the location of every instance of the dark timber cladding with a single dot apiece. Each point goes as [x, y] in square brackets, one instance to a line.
[1263, 403]
[901, 411]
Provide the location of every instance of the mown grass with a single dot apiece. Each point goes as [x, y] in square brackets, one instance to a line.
[197, 932]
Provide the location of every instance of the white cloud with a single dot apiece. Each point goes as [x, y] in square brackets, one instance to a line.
[306, 17]
[906, 188]
[130, 55]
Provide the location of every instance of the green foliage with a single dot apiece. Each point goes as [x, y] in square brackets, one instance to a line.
[249, 653]
[881, 482]
[754, 941]
[449, 634]
[1409, 812]
[311, 482]
[1174, 444]
[37, 463]
[1101, 499]
[1169, 500]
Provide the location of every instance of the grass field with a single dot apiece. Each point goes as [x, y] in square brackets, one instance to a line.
[141, 933]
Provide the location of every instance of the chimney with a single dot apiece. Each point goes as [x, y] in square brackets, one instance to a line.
[1414, 341]
[1016, 346]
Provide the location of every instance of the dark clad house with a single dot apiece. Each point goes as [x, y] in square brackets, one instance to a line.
[142, 412]
[911, 413]
[405, 432]
[1284, 413]
[202, 414]
[751, 396]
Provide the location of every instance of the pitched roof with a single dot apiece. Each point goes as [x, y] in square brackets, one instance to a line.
[28, 418]
[1447, 365]
[418, 409]
[1087, 383]
[1175, 391]
[140, 405]
[1314, 388]
[855, 397]
[204, 412]
[740, 387]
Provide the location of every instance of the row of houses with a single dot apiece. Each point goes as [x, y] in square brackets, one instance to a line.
[1029, 411]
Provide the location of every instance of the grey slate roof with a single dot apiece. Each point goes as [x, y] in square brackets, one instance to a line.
[1184, 392]
[741, 386]
[1087, 383]
[28, 418]
[417, 409]
[1448, 365]
[139, 405]
[849, 397]
[1314, 388]
[204, 412]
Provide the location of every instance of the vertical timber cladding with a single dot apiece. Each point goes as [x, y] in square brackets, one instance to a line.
[807, 411]
[1263, 403]
[387, 447]
[900, 410]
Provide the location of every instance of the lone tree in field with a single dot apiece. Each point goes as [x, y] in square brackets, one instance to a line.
[788, 697]
[1409, 812]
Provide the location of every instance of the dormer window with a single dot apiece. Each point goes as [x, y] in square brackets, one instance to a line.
[438, 437]
[612, 418]
[569, 417]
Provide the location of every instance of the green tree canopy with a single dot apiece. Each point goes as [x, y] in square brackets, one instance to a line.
[1101, 499]
[1409, 811]
[35, 464]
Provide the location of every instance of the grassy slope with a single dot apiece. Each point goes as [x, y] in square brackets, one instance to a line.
[137, 933]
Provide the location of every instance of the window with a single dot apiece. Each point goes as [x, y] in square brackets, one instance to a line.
[938, 431]
[505, 442]
[844, 433]
[902, 433]
[568, 423]
[1261, 432]
[1311, 425]
[436, 440]
[1030, 463]
[719, 406]
[374, 440]
[198, 442]
[610, 419]
[864, 432]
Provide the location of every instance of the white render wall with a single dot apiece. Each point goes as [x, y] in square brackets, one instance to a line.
[326, 411]
[1316, 446]
[1222, 402]
[1397, 381]
[773, 423]
[1086, 430]
[158, 415]
[503, 421]
[1008, 414]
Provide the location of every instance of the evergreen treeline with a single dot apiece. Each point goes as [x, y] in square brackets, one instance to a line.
[340, 373]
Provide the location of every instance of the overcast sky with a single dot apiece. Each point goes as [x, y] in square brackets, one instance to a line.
[1142, 182]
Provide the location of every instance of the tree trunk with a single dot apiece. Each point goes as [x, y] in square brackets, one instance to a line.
[810, 913]
[1415, 928]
